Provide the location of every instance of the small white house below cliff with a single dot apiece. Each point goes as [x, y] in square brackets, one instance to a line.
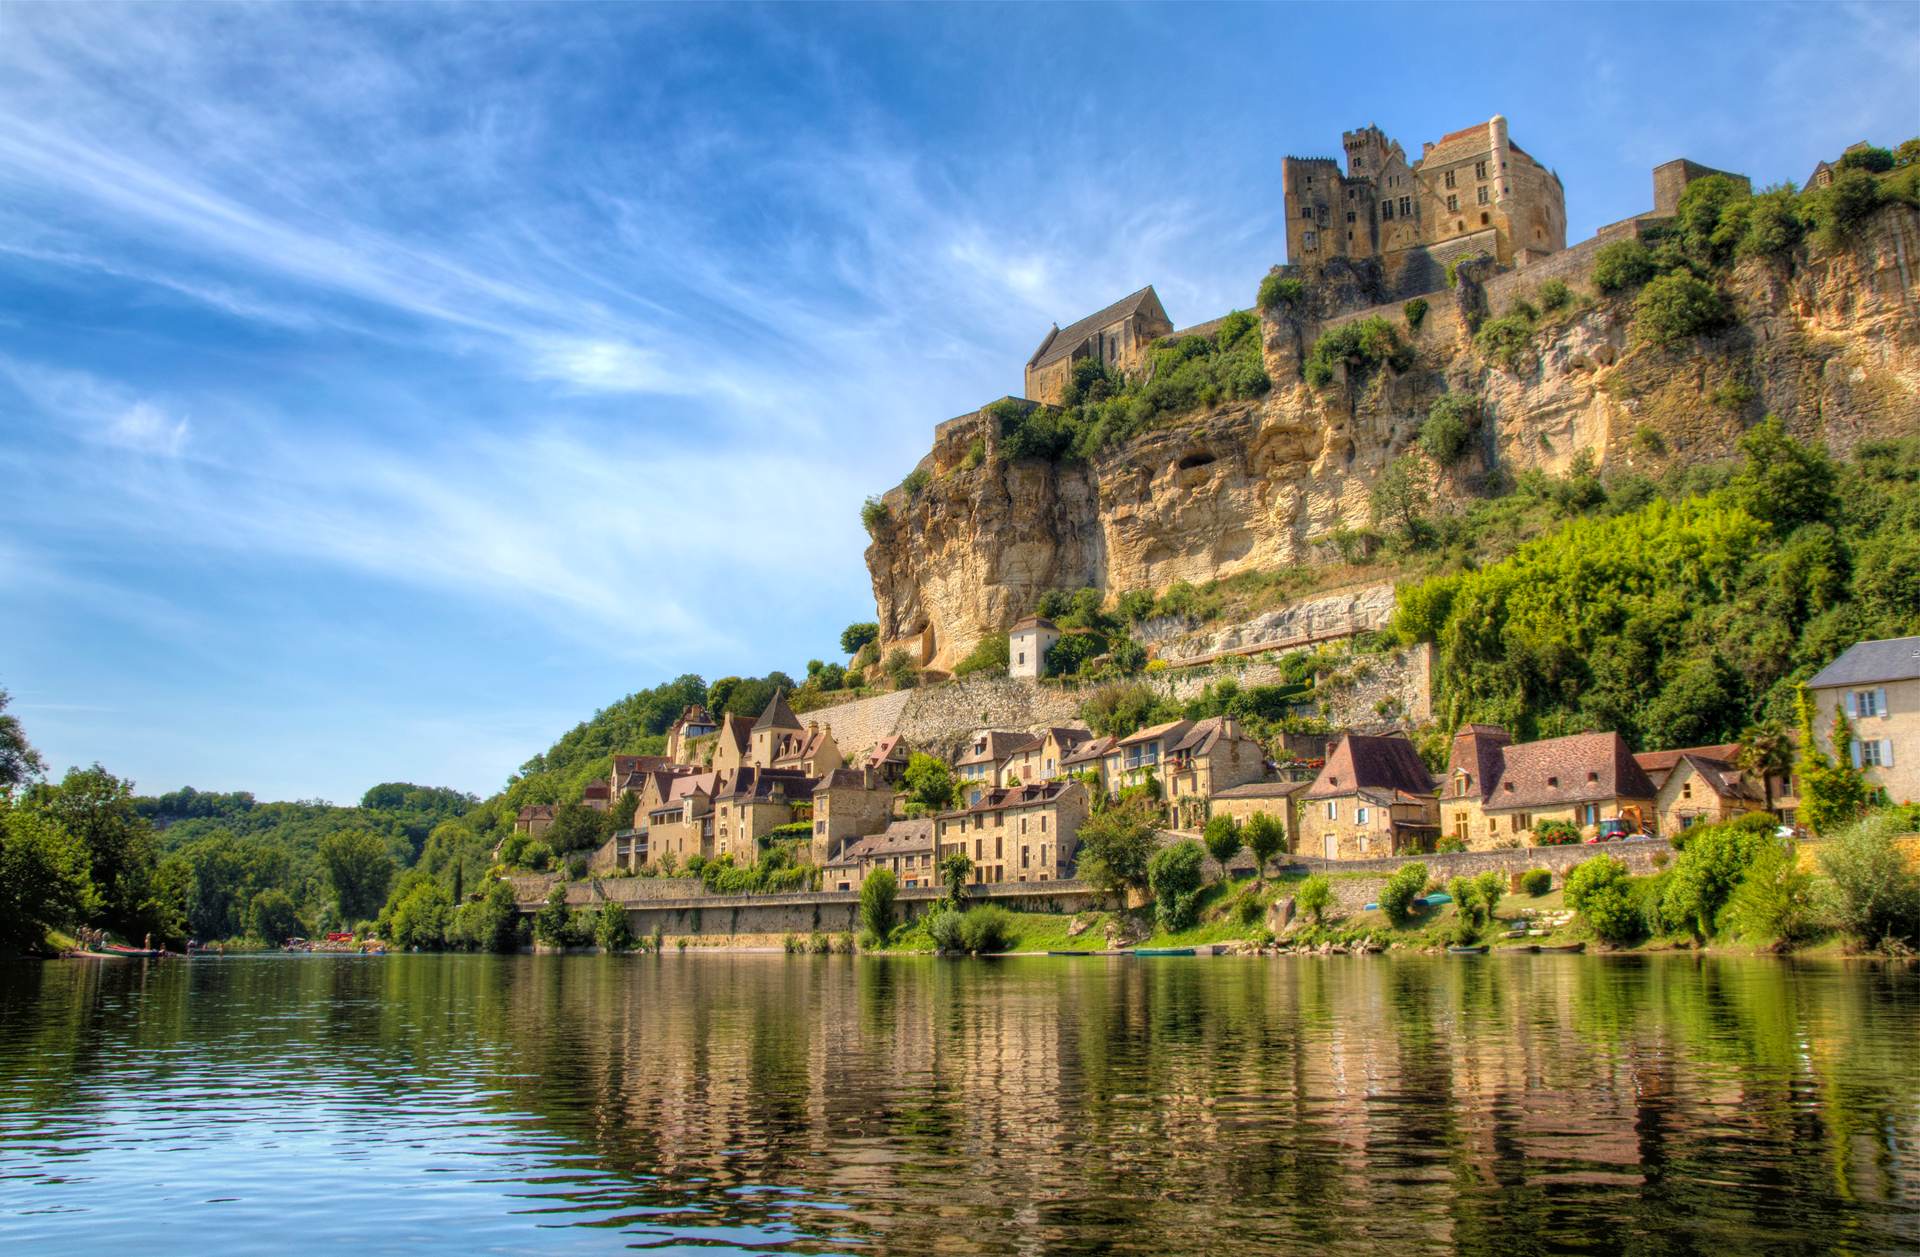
[1028, 642]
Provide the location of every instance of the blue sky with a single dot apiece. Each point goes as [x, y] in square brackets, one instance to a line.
[383, 389]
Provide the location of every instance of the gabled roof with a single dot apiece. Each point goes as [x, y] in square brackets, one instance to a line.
[1476, 751]
[1016, 796]
[1722, 778]
[1033, 622]
[1063, 342]
[908, 837]
[1457, 145]
[737, 730]
[777, 715]
[1173, 730]
[892, 747]
[1369, 762]
[623, 765]
[1556, 772]
[1090, 751]
[534, 811]
[1206, 734]
[1871, 663]
[1262, 790]
[1000, 743]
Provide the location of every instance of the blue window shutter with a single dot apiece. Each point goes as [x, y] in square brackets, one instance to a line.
[1886, 752]
[1853, 706]
[1880, 702]
[1855, 748]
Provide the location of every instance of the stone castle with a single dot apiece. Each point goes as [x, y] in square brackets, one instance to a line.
[1384, 230]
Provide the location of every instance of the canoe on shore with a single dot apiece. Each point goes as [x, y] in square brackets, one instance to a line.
[1163, 951]
[1561, 947]
[1479, 949]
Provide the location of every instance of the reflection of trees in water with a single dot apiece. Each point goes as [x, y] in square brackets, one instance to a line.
[1503, 1104]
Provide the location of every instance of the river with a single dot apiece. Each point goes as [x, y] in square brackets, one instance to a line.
[740, 1103]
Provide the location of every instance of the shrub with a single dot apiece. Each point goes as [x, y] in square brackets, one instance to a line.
[1174, 873]
[1773, 227]
[1600, 891]
[1416, 312]
[1673, 309]
[1876, 897]
[1555, 295]
[1555, 834]
[990, 654]
[792, 945]
[819, 944]
[1450, 845]
[1838, 210]
[1507, 340]
[1708, 869]
[976, 454]
[1314, 897]
[610, 928]
[877, 896]
[1448, 430]
[875, 516]
[943, 928]
[901, 670]
[1224, 840]
[1492, 889]
[1622, 265]
[986, 929]
[1277, 291]
[1868, 157]
[916, 480]
[1397, 896]
[1453, 267]
[1774, 903]
[1362, 345]
[1537, 882]
[855, 637]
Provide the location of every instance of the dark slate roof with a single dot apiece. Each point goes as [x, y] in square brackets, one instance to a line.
[908, 837]
[777, 715]
[1365, 761]
[1868, 663]
[1033, 622]
[1089, 751]
[1559, 772]
[1014, 796]
[1000, 744]
[1063, 342]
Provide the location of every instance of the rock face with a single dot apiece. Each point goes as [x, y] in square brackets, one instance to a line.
[1829, 342]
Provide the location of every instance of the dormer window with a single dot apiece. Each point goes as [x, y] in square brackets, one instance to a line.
[1508, 785]
[1553, 781]
[1593, 778]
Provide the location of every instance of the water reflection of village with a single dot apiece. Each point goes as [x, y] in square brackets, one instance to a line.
[1087, 1104]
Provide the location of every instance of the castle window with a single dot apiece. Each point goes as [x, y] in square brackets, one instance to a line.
[1483, 220]
[1479, 170]
[1307, 241]
[1349, 215]
[1306, 211]
[1483, 196]
[1406, 207]
[1386, 209]
[1453, 203]
[1449, 178]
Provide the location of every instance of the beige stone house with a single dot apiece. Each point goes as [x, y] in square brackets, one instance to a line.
[681, 825]
[1140, 755]
[1698, 790]
[1213, 754]
[1878, 685]
[694, 724]
[1497, 792]
[776, 734]
[848, 804]
[751, 805]
[732, 743]
[1120, 336]
[812, 751]
[1042, 759]
[1372, 798]
[1274, 798]
[1018, 833]
[888, 759]
[597, 796]
[905, 848]
[1028, 642]
[981, 764]
[1091, 757]
[534, 819]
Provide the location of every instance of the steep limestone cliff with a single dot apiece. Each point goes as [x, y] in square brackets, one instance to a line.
[1830, 342]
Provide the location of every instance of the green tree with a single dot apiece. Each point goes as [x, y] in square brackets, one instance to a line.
[1708, 870]
[492, 923]
[1398, 495]
[421, 917]
[1774, 902]
[877, 895]
[1398, 895]
[854, 636]
[611, 929]
[44, 883]
[1448, 431]
[1224, 840]
[1766, 753]
[1266, 837]
[359, 869]
[1783, 481]
[97, 808]
[1876, 896]
[1116, 845]
[577, 827]
[1314, 897]
[1492, 888]
[901, 670]
[1622, 265]
[929, 781]
[271, 916]
[1832, 791]
[954, 868]
[550, 923]
[20, 764]
[1601, 891]
[1175, 876]
[1673, 309]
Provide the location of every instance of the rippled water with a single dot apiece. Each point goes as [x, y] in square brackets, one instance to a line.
[742, 1103]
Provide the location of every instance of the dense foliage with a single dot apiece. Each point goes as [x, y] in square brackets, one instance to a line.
[1680, 623]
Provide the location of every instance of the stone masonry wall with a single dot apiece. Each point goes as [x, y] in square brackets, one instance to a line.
[1354, 893]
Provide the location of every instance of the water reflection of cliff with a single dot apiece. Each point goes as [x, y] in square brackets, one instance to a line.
[1083, 1105]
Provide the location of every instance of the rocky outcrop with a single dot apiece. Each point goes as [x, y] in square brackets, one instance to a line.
[1830, 342]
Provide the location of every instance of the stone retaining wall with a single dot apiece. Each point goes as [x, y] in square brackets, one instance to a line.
[1353, 893]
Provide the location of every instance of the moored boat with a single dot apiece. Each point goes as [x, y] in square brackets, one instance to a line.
[1163, 951]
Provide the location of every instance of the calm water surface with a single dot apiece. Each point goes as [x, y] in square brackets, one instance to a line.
[768, 1104]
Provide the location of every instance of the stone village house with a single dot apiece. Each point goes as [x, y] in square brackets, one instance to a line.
[1497, 792]
[1878, 685]
[1120, 336]
[904, 847]
[1016, 834]
[1373, 798]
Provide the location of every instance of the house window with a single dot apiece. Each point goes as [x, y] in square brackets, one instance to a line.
[1360, 816]
[1043, 822]
[1479, 170]
[1483, 196]
[1522, 821]
[1460, 826]
[1590, 814]
[1466, 780]
[1873, 753]
[1453, 203]
[1306, 211]
[1406, 207]
[1686, 789]
[1023, 656]
[1867, 703]
[1333, 809]
[1449, 181]
[1386, 208]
